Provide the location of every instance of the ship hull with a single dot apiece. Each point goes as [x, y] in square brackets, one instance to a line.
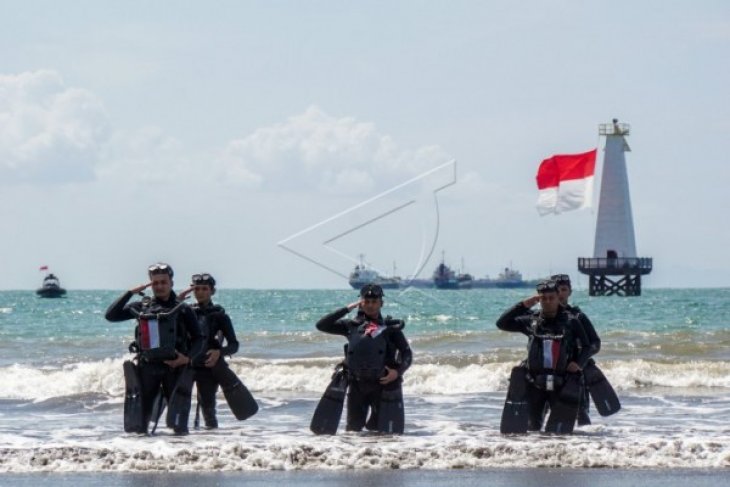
[384, 284]
[57, 292]
[452, 284]
[512, 284]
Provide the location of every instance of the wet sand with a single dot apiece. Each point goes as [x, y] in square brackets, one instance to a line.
[388, 478]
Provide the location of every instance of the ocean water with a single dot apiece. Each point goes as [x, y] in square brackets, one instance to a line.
[666, 353]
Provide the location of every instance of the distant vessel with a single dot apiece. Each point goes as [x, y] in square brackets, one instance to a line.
[484, 283]
[362, 275]
[510, 278]
[445, 278]
[51, 288]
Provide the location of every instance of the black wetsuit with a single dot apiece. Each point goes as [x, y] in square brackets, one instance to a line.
[536, 326]
[154, 374]
[594, 345]
[594, 341]
[217, 326]
[364, 391]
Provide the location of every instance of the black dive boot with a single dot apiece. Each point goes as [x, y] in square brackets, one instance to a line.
[211, 422]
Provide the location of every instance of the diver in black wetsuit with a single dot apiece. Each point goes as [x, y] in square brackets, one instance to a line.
[377, 355]
[161, 357]
[594, 342]
[554, 349]
[217, 326]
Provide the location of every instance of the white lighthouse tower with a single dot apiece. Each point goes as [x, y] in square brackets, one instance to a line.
[615, 267]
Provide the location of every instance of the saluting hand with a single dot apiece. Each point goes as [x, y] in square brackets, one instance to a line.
[354, 305]
[185, 293]
[390, 376]
[140, 288]
[531, 301]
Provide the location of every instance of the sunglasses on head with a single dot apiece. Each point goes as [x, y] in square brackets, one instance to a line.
[160, 269]
[202, 278]
[546, 287]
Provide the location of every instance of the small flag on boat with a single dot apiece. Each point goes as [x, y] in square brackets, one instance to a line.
[565, 182]
[43, 268]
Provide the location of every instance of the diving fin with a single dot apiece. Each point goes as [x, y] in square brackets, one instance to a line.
[133, 413]
[237, 395]
[564, 409]
[516, 412]
[178, 408]
[327, 415]
[391, 414]
[603, 395]
[241, 402]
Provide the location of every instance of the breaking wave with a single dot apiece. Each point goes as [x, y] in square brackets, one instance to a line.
[25, 382]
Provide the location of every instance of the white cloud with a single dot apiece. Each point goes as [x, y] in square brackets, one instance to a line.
[146, 156]
[53, 133]
[314, 150]
[50, 132]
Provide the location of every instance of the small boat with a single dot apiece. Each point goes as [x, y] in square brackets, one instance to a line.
[51, 288]
[363, 275]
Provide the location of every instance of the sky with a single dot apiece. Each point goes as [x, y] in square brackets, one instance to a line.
[273, 142]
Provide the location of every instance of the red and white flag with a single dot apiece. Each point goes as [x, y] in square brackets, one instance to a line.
[149, 333]
[565, 182]
[550, 353]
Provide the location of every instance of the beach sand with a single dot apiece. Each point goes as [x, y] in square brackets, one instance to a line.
[388, 478]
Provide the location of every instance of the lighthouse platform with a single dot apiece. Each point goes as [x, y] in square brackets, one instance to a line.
[619, 276]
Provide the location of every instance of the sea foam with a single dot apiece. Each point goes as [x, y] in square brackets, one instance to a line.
[21, 382]
[369, 453]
